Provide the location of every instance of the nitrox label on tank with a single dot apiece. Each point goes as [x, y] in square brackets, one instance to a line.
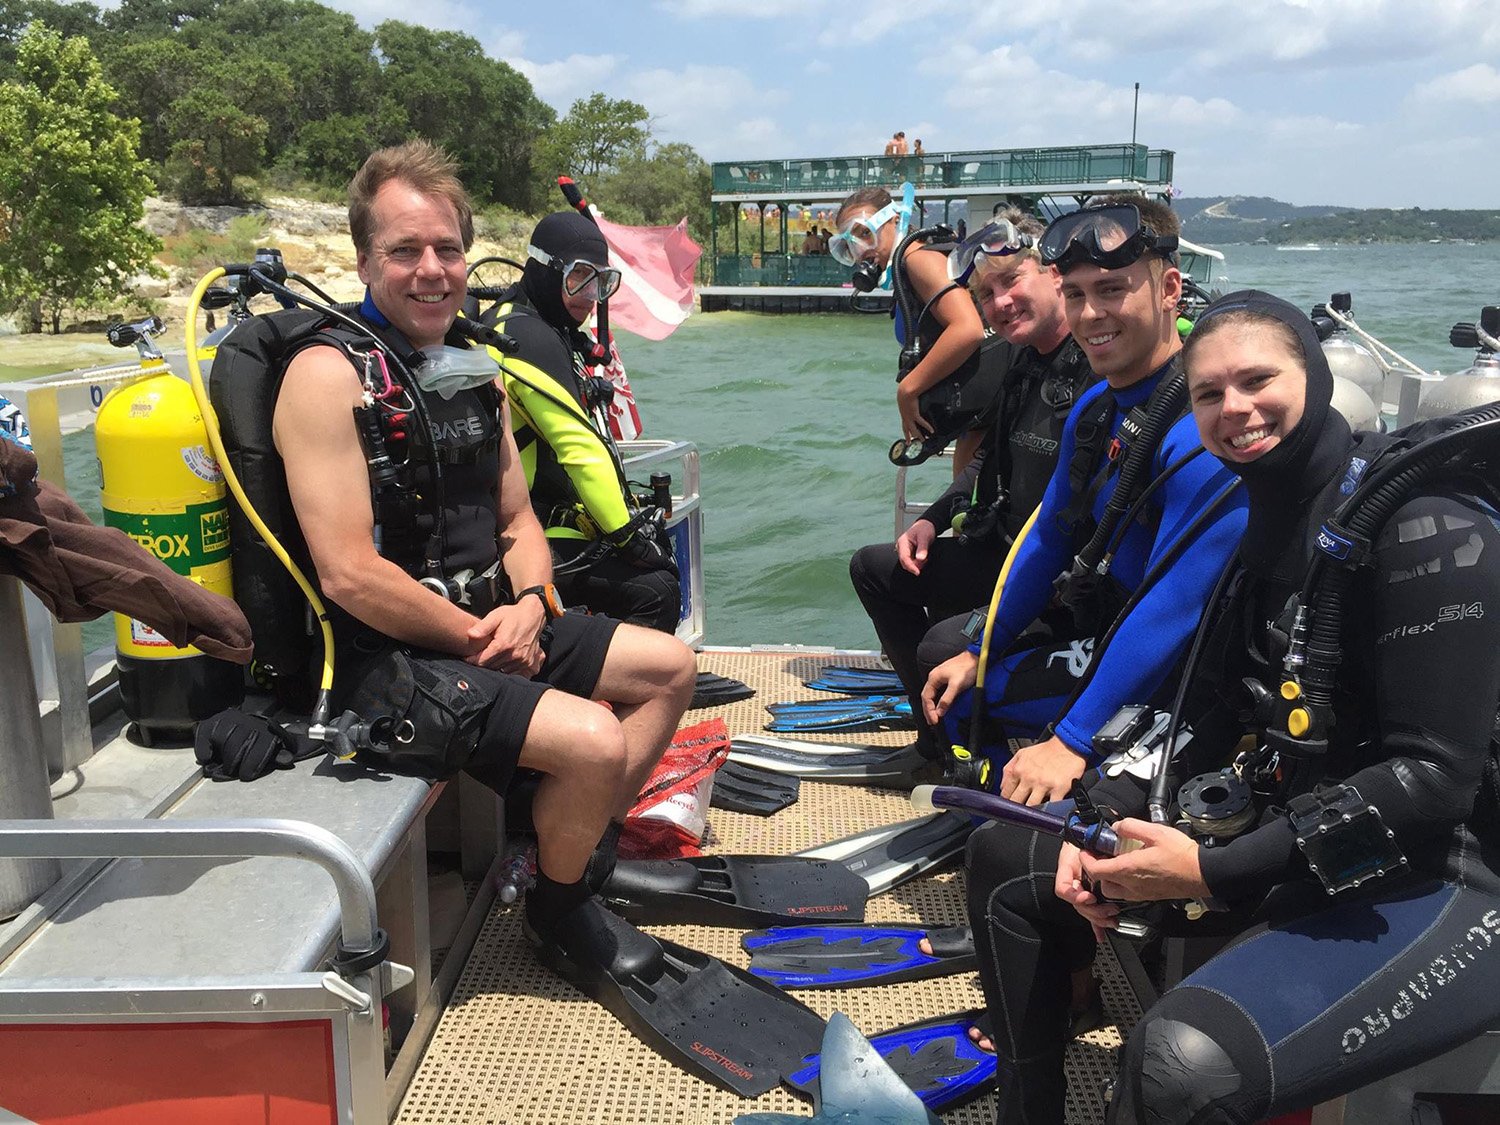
[185, 541]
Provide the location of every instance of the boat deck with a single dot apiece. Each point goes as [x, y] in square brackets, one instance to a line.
[517, 1046]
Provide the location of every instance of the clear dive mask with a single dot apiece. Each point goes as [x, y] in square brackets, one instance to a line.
[596, 282]
[994, 240]
[859, 236]
[1110, 237]
[447, 370]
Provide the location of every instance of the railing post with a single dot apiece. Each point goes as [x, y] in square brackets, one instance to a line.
[24, 790]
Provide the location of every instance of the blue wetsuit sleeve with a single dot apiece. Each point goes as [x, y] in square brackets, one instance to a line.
[1431, 685]
[1154, 636]
[1047, 550]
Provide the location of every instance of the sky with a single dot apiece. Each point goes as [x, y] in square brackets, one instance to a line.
[1361, 103]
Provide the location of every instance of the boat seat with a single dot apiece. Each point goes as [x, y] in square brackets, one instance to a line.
[198, 918]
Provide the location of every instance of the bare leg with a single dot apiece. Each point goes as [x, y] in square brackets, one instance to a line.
[648, 678]
[581, 748]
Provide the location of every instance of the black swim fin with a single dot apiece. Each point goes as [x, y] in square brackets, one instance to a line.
[713, 1020]
[710, 690]
[856, 956]
[748, 789]
[889, 767]
[889, 856]
[735, 890]
[936, 1058]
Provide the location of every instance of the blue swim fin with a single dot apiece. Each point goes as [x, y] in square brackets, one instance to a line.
[936, 1058]
[856, 681]
[856, 956]
[838, 714]
[861, 1088]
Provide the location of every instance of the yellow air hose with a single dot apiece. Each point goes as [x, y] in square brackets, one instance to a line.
[962, 753]
[320, 714]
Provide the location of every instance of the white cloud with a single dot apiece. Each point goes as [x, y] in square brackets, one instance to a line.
[505, 43]
[762, 9]
[1479, 84]
[563, 82]
[705, 106]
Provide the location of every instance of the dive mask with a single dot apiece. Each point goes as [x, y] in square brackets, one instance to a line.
[596, 282]
[1111, 238]
[447, 370]
[994, 240]
[858, 236]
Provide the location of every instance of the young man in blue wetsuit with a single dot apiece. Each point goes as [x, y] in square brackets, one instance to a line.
[1120, 286]
[912, 588]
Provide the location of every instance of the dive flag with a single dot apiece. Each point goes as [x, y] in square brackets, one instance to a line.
[656, 287]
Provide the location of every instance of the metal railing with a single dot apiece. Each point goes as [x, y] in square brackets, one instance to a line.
[1019, 168]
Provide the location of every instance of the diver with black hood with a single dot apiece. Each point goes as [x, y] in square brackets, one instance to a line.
[1350, 640]
[609, 550]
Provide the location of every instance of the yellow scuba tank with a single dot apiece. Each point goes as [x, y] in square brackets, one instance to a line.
[161, 486]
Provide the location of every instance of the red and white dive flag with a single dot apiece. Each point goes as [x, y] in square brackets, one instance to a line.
[656, 287]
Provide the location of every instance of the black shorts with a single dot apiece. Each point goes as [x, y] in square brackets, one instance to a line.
[446, 716]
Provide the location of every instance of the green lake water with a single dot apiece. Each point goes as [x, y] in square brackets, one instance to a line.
[793, 416]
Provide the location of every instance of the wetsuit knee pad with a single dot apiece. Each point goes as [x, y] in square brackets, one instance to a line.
[1175, 1073]
[867, 562]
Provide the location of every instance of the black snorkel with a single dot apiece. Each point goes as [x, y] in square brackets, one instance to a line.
[598, 356]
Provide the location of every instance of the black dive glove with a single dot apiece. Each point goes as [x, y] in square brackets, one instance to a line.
[233, 745]
[645, 545]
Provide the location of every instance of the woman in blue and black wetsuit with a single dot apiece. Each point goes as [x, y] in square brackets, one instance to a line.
[1328, 985]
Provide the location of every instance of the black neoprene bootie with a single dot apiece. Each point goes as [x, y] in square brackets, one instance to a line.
[576, 935]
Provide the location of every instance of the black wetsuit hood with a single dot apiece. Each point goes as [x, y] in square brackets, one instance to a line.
[1284, 482]
[568, 237]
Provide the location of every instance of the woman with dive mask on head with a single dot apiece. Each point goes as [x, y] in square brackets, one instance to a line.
[1359, 880]
[948, 332]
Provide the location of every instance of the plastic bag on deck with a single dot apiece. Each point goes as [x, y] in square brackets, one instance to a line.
[670, 815]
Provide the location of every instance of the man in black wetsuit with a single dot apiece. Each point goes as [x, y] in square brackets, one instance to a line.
[607, 556]
[1359, 952]
[505, 678]
[925, 586]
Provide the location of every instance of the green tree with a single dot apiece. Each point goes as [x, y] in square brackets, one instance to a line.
[72, 188]
[659, 189]
[481, 110]
[219, 127]
[596, 135]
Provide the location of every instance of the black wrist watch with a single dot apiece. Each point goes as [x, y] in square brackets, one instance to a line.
[551, 604]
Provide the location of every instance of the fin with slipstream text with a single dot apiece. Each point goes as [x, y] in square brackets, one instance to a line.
[935, 1058]
[735, 890]
[890, 767]
[856, 956]
[858, 1088]
[888, 856]
[743, 788]
[713, 1020]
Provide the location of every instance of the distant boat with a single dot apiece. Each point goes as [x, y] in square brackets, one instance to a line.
[1302, 246]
